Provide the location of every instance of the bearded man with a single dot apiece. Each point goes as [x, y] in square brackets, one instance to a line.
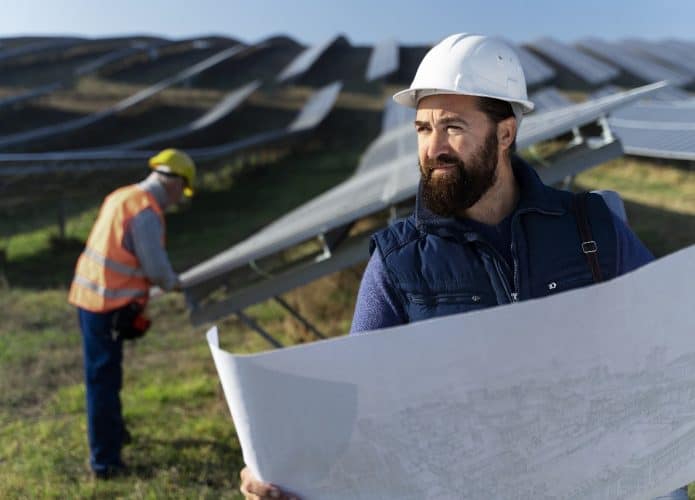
[485, 230]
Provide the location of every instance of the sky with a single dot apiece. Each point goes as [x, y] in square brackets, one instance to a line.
[364, 22]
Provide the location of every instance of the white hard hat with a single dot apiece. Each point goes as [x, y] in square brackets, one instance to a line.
[470, 64]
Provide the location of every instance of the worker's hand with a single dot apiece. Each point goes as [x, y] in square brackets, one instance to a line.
[253, 489]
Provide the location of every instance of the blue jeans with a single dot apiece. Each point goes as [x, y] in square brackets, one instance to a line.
[103, 377]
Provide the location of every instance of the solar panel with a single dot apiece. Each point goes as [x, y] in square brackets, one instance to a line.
[656, 129]
[313, 112]
[42, 90]
[28, 95]
[638, 140]
[684, 50]
[641, 67]
[589, 69]
[22, 138]
[305, 60]
[383, 61]
[606, 90]
[660, 53]
[671, 94]
[317, 107]
[535, 70]
[33, 48]
[548, 98]
[223, 108]
[667, 94]
[387, 174]
[115, 56]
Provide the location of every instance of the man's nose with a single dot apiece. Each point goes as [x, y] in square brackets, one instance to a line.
[438, 143]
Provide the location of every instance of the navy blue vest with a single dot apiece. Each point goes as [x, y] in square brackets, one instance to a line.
[442, 266]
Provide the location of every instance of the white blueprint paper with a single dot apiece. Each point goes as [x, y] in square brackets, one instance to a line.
[589, 394]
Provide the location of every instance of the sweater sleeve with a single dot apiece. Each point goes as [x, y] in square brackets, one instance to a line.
[631, 251]
[144, 233]
[378, 303]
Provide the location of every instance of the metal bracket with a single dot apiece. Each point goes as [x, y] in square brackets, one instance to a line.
[259, 271]
[606, 133]
[251, 323]
[577, 138]
[326, 248]
[575, 160]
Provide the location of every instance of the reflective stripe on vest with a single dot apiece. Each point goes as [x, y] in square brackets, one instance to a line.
[119, 293]
[108, 276]
[123, 269]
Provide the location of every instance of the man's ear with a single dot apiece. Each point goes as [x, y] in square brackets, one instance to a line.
[506, 132]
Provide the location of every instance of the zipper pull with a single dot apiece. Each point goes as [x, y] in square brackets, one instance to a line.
[515, 296]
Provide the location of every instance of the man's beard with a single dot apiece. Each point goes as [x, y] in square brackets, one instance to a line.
[460, 188]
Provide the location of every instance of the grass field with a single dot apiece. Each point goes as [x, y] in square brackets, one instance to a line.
[184, 441]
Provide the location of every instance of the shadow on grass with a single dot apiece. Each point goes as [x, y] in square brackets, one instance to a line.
[52, 267]
[215, 463]
[662, 231]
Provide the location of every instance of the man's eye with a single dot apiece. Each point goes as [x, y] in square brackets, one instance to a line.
[421, 129]
[453, 128]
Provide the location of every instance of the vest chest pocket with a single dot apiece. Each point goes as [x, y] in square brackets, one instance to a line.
[422, 306]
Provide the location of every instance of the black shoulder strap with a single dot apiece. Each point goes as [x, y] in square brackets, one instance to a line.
[589, 246]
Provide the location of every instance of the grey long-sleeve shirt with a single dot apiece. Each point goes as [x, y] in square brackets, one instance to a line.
[143, 237]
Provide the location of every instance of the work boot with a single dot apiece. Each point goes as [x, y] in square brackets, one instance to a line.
[112, 471]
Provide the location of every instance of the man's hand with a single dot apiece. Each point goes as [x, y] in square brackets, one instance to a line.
[253, 489]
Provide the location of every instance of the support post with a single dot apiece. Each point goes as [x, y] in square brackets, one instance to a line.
[298, 316]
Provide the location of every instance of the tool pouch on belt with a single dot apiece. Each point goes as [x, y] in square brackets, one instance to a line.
[130, 322]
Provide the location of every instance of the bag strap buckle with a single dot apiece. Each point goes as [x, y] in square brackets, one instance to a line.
[589, 247]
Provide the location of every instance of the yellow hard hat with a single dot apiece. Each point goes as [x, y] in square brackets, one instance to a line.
[174, 162]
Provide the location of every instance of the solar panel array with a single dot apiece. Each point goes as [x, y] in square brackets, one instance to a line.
[591, 70]
[223, 108]
[21, 139]
[315, 110]
[388, 174]
[661, 54]
[656, 129]
[639, 66]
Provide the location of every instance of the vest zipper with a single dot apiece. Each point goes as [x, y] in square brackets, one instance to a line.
[496, 259]
[515, 258]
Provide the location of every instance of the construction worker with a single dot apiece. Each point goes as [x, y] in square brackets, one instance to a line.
[124, 256]
[485, 230]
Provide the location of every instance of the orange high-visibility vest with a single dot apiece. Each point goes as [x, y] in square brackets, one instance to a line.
[108, 276]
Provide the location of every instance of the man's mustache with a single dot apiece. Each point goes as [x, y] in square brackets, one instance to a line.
[443, 159]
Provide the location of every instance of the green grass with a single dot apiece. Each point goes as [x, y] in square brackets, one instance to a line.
[184, 441]
[659, 200]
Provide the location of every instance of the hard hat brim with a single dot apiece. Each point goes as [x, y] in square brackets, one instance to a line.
[411, 97]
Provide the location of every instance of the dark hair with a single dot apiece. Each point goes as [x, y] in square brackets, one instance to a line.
[497, 110]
